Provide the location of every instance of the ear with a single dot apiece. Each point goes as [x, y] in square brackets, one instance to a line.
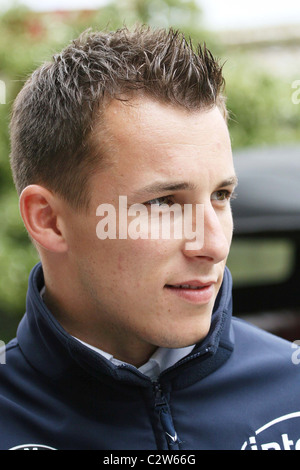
[40, 214]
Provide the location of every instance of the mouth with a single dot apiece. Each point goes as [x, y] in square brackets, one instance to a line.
[193, 291]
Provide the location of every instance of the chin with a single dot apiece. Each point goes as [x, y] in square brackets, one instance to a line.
[183, 338]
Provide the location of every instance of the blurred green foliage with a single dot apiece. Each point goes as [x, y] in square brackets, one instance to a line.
[260, 107]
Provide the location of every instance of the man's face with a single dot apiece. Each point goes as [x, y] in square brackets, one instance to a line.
[131, 287]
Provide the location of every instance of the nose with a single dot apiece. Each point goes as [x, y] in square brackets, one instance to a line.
[213, 235]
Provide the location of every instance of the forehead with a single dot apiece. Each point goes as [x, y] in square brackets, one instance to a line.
[144, 118]
[151, 140]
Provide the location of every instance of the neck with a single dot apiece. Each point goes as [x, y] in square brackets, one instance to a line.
[87, 329]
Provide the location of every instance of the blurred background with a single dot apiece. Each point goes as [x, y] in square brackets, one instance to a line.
[259, 44]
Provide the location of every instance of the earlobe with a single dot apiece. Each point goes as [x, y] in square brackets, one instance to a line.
[38, 208]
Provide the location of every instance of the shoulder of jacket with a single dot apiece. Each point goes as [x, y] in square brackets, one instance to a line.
[250, 337]
[10, 354]
[251, 328]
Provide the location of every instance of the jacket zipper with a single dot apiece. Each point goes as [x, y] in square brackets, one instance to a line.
[165, 418]
[189, 358]
[161, 405]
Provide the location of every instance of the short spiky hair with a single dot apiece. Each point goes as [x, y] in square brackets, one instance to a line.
[55, 113]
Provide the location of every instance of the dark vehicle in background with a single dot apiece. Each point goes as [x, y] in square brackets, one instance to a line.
[265, 254]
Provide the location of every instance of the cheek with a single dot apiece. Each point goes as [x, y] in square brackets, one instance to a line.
[229, 231]
[141, 262]
[143, 254]
[226, 222]
[82, 240]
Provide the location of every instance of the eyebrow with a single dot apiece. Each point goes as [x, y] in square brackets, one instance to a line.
[162, 187]
[232, 181]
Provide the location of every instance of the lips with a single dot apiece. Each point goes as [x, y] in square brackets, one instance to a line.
[187, 286]
[191, 284]
[196, 292]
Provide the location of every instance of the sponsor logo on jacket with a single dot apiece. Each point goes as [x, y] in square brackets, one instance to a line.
[272, 436]
[32, 447]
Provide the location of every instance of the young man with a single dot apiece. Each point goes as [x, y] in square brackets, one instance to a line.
[128, 340]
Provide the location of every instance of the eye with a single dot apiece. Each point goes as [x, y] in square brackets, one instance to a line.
[159, 201]
[223, 195]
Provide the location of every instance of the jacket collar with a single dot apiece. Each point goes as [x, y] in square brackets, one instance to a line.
[54, 352]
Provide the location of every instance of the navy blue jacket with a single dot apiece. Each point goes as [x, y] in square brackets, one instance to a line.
[238, 389]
